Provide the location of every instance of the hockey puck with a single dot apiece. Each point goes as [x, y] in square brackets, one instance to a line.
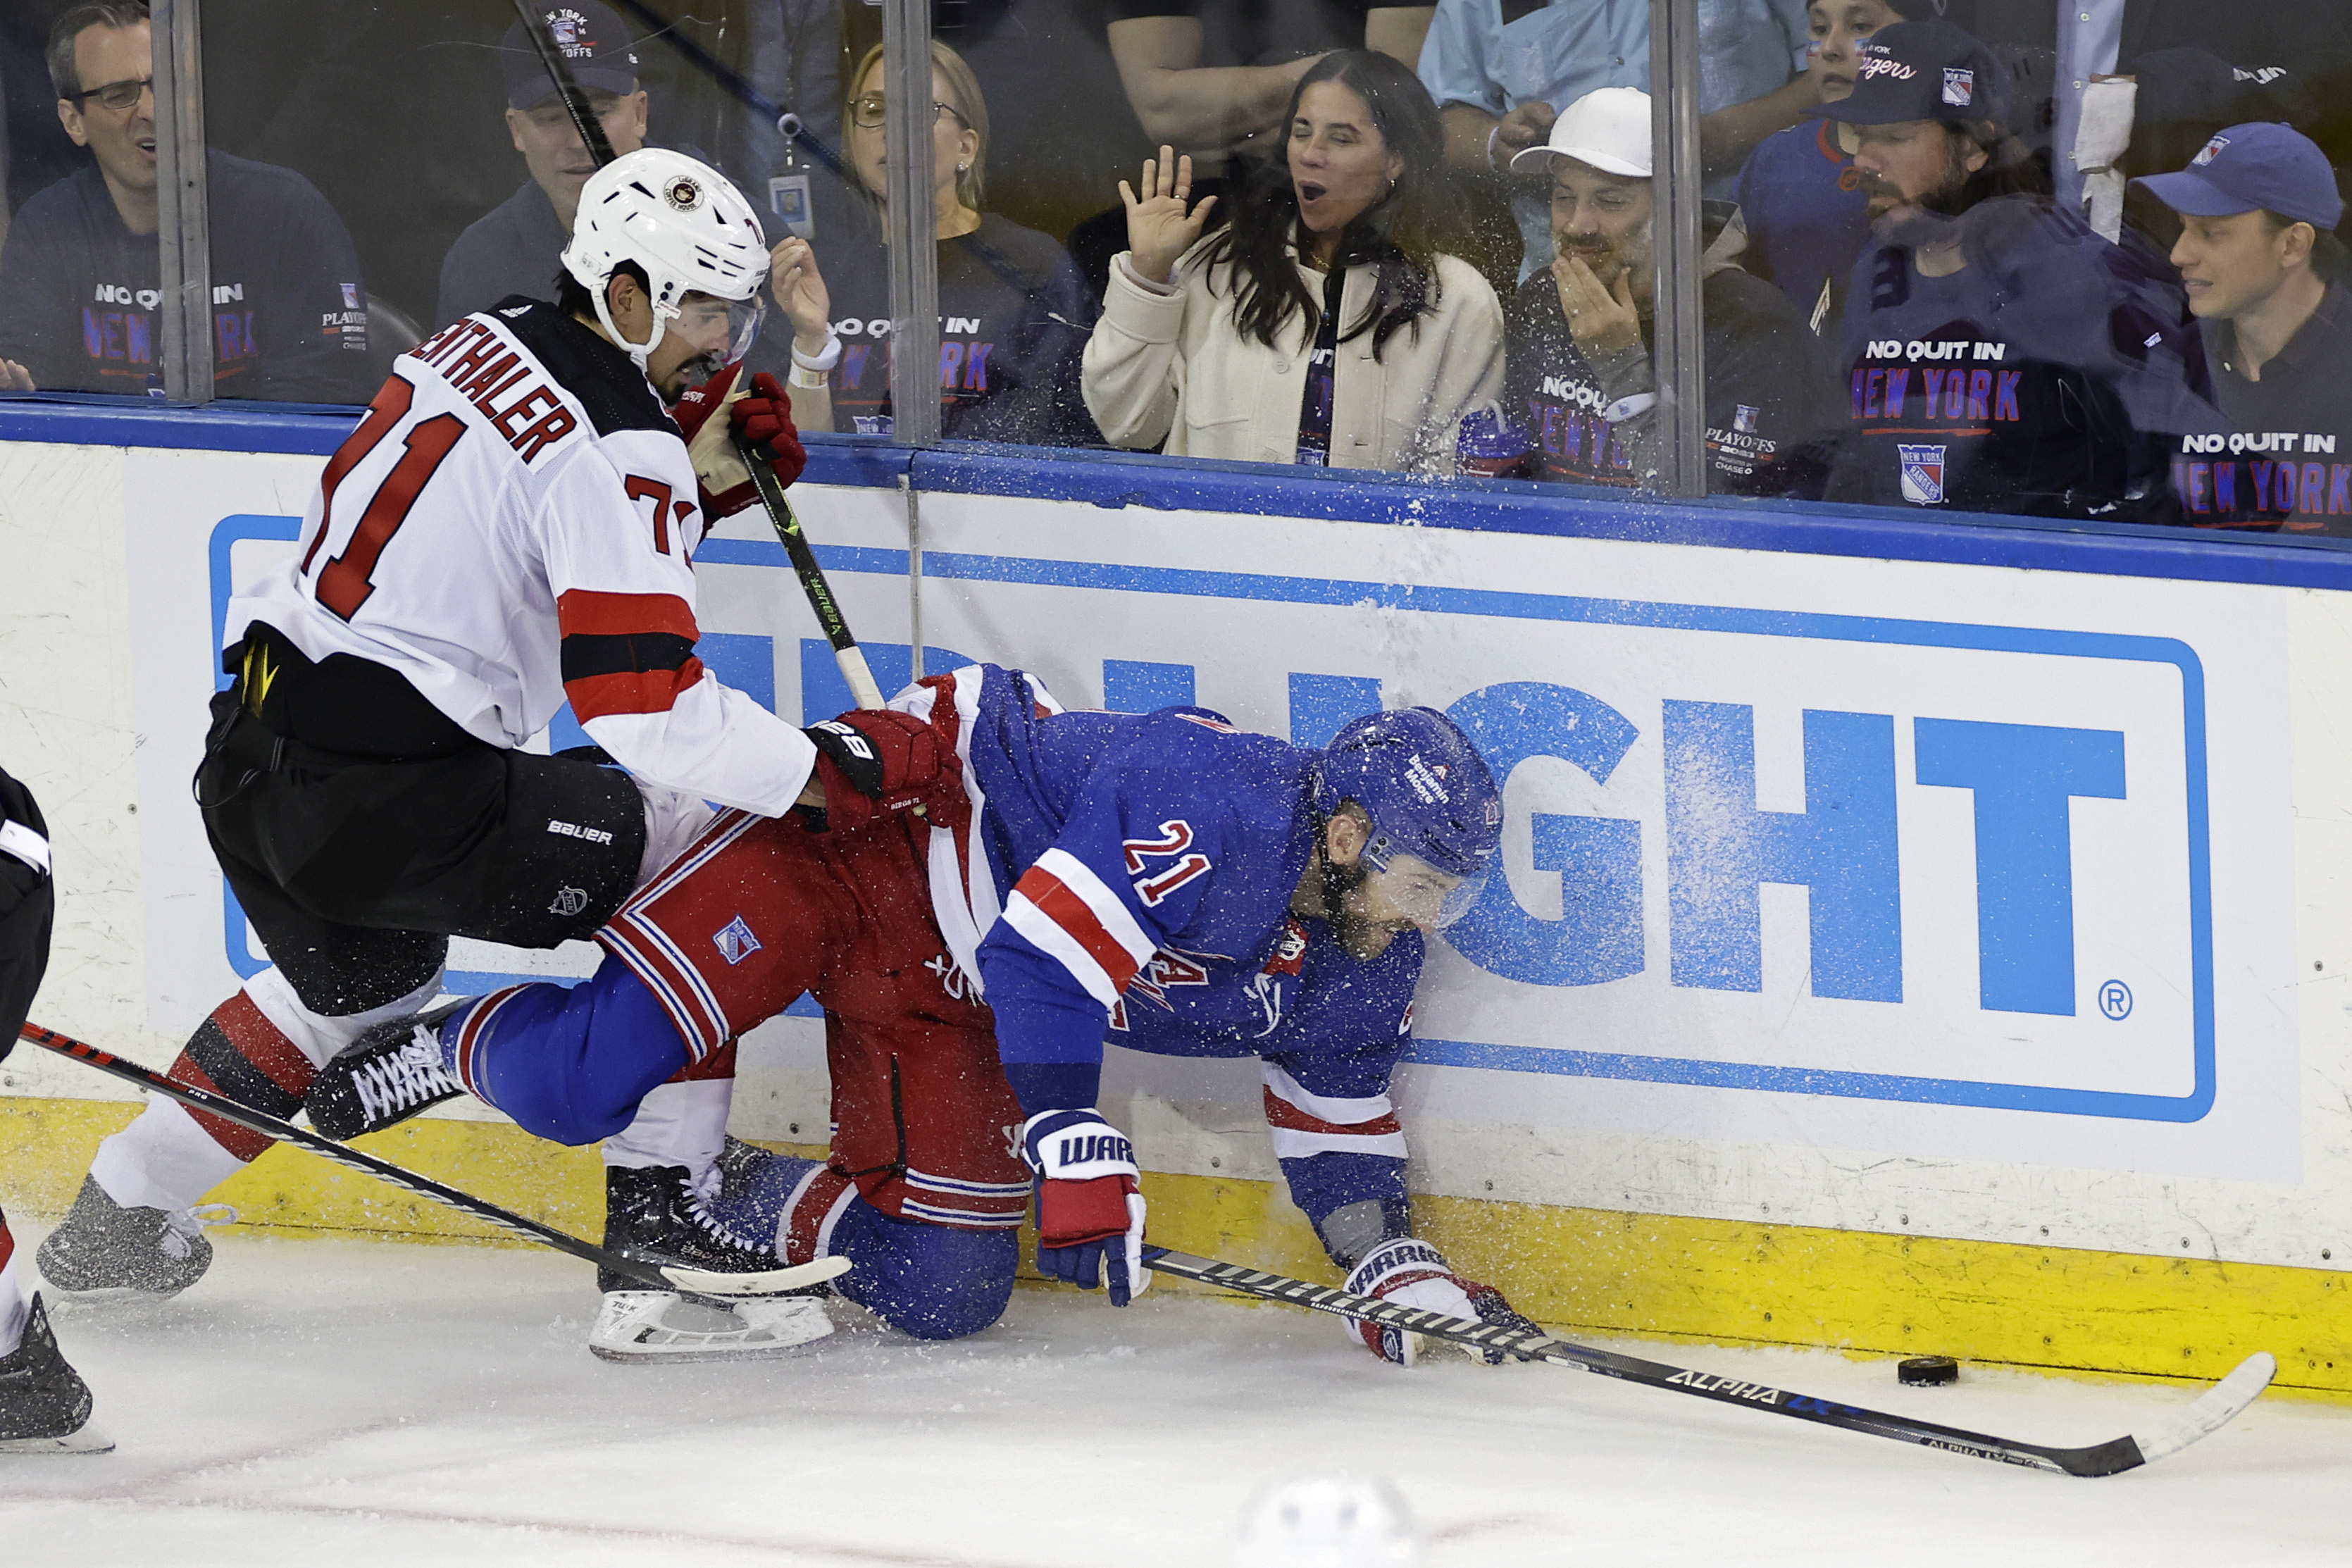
[1927, 1371]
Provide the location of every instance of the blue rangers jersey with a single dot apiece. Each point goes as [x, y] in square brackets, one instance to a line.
[1130, 877]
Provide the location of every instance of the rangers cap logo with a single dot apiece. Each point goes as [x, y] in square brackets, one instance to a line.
[1959, 86]
[2207, 152]
[685, 192]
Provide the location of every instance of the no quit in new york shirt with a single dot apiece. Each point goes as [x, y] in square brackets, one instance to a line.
[2052, 374]
[289, 313]
[2284, 460]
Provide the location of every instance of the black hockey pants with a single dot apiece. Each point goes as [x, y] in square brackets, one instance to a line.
[356, 870]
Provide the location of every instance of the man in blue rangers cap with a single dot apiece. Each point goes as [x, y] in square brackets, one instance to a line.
[2001, 356]
[1162, 881]
[2264, 269]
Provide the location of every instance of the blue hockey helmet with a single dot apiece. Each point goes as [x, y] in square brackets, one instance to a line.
[1430, 795]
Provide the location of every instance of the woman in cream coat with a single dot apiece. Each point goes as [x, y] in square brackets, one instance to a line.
[1227, 347]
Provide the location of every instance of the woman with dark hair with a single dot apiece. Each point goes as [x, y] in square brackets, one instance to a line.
[1013, 311]
[1321, 324]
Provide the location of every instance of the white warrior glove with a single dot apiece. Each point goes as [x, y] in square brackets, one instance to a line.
[1414, 1274]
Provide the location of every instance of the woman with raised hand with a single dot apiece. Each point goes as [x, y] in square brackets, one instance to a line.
[1013, 311]
[1322, 323]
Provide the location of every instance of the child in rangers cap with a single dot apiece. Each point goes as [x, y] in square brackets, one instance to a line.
[2259, 256]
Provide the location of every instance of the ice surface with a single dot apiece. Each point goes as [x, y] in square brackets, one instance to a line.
[341, 1403]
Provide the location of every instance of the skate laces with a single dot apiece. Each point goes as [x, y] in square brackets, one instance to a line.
[397, 1081]
[699, 1192]
[183, 1228]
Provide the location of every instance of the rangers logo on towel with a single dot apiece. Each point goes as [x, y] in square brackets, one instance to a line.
[1923, 474]
[736, 941]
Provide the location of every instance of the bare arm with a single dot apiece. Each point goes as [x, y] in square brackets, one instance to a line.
[1729, 135]
[1184, 104]
[1398, 31]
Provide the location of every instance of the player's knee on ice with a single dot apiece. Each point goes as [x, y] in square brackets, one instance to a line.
[572, 1065]
[933, 1281]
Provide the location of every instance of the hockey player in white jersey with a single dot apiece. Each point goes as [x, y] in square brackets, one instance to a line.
[511, 525]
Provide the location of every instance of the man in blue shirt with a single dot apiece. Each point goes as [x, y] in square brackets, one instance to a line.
[1501, 70]
[82, 272]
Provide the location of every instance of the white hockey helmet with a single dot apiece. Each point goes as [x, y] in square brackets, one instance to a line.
[688, 228]
[1327, 1521]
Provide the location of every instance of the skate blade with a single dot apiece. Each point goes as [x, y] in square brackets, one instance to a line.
[772, 1282]
[633, 1326]
[103, 1297]
[89, 1440]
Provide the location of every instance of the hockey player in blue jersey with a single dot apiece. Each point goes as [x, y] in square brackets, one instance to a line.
[1162, 881]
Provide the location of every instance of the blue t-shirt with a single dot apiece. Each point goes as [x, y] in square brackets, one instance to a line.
[1806, 216]
[290, 313]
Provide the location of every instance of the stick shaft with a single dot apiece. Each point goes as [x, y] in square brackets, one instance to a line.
[567, 87]
[252, 1121]
[2103, 1458]
[827, 609]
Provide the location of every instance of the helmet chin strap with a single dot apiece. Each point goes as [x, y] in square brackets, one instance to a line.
[637, 353]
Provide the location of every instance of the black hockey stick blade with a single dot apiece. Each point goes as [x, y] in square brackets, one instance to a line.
[649, 1273]
[567, 86]
[2213, 1410]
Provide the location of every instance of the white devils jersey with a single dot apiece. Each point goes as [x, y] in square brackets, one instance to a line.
[511, 524]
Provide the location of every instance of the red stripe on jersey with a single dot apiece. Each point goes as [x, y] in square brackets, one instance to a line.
[240, 1142]
[1057, 903]
[263, 1043]
[1280, 1112]
[820, 1195]
[635, 691]
[719, 1062]
[583, 612]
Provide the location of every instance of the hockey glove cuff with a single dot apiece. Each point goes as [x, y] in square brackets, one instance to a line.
[1411, 1273]
[1089, 1206]
[875, 763]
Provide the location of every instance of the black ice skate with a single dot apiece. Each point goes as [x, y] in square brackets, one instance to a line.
[101, 1251]
[657, 1216]
[44, 1403]
[383, 1078]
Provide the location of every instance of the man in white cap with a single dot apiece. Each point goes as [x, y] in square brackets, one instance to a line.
[1579, 332]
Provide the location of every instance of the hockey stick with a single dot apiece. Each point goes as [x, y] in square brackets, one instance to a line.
[2214, 1409]
[835, 625]
[647, 1275]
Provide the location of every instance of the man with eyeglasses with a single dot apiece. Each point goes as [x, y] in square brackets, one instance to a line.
[82, 269]
[512, 248]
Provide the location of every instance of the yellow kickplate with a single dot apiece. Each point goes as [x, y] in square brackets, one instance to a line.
[1719, 1281]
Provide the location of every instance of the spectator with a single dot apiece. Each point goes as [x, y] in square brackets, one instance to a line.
[1012, 312]
[2110, 88]
[1803, 217]
[1500, 69]
[82, 272]
[2003, 357]
[2264, 269]
[1322, 323]
[512, 248]
[1578, 349]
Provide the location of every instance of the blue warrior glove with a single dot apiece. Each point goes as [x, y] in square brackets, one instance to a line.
[1087, 1197]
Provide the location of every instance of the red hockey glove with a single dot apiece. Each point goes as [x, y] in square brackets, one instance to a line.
[875, 763]
[763, 416]
[1089, 1209]
[1412, 1273]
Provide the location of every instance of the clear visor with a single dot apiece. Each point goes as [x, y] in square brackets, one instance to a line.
[722, 331]
[1407, 888]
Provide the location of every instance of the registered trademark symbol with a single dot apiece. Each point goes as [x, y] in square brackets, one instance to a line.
[2115, 1000]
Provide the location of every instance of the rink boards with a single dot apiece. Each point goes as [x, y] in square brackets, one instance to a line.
[1913, 937]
